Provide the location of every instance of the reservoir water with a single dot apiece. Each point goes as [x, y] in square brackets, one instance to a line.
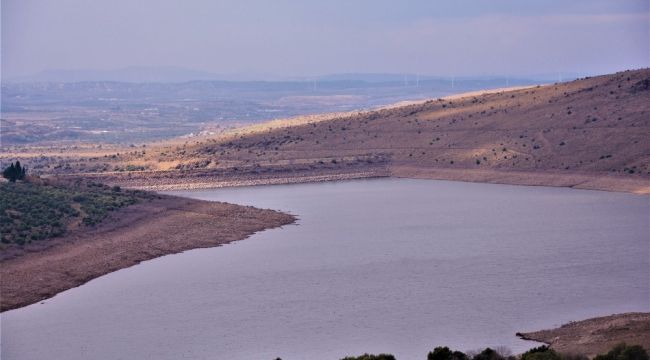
[386, 265]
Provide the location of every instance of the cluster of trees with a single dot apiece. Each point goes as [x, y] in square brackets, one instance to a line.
[444, 353]
[15, 172]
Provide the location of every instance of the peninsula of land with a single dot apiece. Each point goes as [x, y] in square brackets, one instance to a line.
[143, 231]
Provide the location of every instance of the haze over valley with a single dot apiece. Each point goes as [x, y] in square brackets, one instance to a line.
[47, 113]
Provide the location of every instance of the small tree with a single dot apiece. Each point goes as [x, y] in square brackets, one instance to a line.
[14, 172]
[10, 173]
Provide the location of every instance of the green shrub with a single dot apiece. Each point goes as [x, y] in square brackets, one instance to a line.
[37, 210]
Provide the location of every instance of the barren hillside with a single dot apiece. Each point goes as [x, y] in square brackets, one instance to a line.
[590, 133]
[594, 125]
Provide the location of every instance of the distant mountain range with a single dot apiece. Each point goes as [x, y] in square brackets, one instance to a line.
[141, 74]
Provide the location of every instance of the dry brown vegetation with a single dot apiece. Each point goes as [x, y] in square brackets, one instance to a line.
[589, 133]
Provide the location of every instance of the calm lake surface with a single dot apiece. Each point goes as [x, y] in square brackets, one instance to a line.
[387, 265]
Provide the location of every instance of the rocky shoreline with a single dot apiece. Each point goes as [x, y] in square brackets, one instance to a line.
[596, 335]
[203, 179]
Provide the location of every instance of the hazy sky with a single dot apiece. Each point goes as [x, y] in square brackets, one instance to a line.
[302, 37]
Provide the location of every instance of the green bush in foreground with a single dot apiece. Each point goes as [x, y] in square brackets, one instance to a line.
[443, 353]
[541, 353]
[489, 354]
[619, 352]
[624, 352]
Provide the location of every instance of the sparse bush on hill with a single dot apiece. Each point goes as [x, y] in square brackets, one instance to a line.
[643, 85]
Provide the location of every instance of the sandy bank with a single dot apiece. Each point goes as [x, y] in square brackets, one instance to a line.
[596, 336]
[163, 181]
[539, 178]
[134, 234]
[252, 181]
